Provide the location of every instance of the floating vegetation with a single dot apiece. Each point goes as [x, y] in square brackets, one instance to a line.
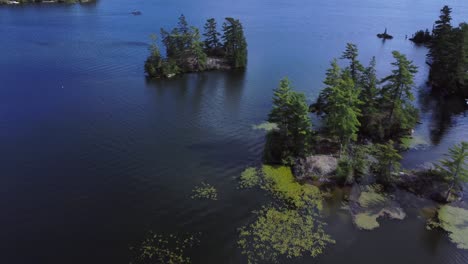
[454, 220]
[371, 204]
[283, 232]
[205, 191]
[169, 249]
[281, 183]
[289, 229]
[267, 126]
[250, 178]
[366, 221]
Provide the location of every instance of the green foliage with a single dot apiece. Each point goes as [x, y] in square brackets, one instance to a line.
[372, 197]
[397, 97]
[332, 79]
[388, 162]
[205, 191]
[284, 232]
[454, 168]
[454, 220]
[355, 67]
[448, 56]
[235, 45]
[250, 177]
[342, 110]
[353, 164]
[157, 248]
[281, 182]
[292, 138]
[422, 37]
[212, 37]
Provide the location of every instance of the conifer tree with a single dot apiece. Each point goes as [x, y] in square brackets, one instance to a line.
[455, 166]
[397, 96]
[332, 79]
[342, 110]
[290, 114]
[235, 44]
[355, 67]
[388, 162]
[212, 41]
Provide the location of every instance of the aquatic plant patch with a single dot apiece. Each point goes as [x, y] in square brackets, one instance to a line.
[205, 191]
[282, 232]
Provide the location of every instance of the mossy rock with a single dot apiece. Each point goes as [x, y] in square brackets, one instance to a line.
[454, 220]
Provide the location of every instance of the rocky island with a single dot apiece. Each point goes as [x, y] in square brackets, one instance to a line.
[186, 52]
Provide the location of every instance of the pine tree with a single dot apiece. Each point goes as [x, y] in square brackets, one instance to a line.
[197, 52]
[342, 110]
[154, 62]
[332, 79]
[355, 67]
[290, 114]
[212, 41]
[455, 166]
[388, 162]
[369, 97]
[235, 44]
[397, 96]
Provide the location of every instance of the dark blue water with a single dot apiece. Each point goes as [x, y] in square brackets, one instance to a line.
[93, 155]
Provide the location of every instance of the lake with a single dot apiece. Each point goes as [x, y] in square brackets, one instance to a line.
[93, 155]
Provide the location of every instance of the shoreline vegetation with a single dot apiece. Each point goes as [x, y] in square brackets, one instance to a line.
[20, 2]
[187, 52]
[447, 56]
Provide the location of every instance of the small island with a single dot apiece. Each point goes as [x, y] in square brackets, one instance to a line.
[19, 2]
[186, 52]
[448, 46]
[384, 35]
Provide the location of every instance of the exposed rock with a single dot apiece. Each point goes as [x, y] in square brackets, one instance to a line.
[318, 166]
[427, 184]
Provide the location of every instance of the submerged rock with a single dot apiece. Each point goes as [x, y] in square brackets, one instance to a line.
[368, 204]
[313, 167]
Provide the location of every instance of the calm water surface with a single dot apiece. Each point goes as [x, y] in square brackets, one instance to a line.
[93, 155]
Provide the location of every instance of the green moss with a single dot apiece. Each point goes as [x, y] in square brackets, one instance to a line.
[205, 191]
[284, 232]
[454, 220]
[366, 221]
[169, 249]
[250, 178]
[267, 126]
[281, 182]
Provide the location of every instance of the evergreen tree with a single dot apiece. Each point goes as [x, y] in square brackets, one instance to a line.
[212, 41]
[355, 67]
[397, 96]
[455, 166]
[371, 115]
[388, 162]
[332, 79]
[235, 44]
[442, 53]
[196, 50]
[342, 110]
[154, 62]
[290, 114]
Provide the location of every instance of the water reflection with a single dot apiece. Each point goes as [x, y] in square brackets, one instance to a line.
[442, 112]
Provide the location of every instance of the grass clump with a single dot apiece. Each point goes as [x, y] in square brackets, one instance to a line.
[169, 249]
[250, 178]
[281, 183]
[283, 232]
[205, 191]
[371, 197]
